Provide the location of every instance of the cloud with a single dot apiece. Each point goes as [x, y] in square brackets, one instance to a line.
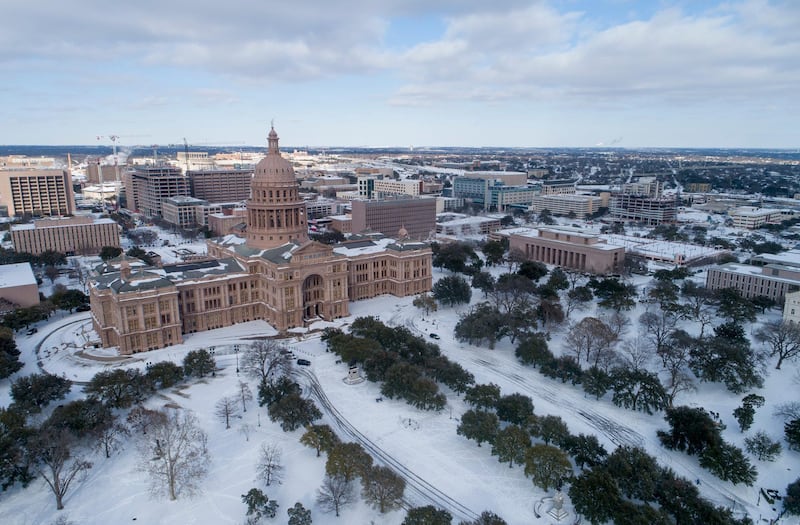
[525, 50]
[722, 54]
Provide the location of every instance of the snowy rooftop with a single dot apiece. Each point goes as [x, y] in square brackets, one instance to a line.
[56, 222]
[789, 258]
[662, 249]
[469, 220]
[20, 274]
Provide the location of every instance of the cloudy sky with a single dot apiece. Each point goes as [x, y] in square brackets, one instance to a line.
[658, 73]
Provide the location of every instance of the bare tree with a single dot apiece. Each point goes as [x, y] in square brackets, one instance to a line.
[636, 353]
[269, 467]
[245, 394]
[617, 322]
[225, 409]
[591, 338]
[175, 454]
[675, 353]
[383, 488]
[263, 358]
[335, 493]
[657, 326]
[141, 418]
[51, 452]
[110, 436]
[782, 338]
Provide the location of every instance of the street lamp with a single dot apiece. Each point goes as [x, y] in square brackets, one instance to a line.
[236, 351]
[213, 351]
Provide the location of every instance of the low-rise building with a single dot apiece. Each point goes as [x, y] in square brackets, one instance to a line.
[753, 217]
[468, 226]
[773, 280]
[67, 235]
[181, 210]
[569, 249]
[18, 285]
[223, 223]
[791, 307]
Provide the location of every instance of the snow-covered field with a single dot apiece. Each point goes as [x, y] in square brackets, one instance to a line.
[443, 468]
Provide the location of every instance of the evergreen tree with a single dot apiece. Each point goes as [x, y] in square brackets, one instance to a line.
[427, 515]
[33, 392]
[452, 290]
[791, 431]
[479, 425]
[299, 515]
[199, 363]
[510, 445]
[547, 466]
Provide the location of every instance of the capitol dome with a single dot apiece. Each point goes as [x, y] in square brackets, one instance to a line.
[274, 168]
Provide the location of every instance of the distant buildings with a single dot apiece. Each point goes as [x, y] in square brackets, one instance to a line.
[569, 248]
[566, 204]
[494, 191]
[752, 217]
[67, 235]
[643, 202]
[40, 193]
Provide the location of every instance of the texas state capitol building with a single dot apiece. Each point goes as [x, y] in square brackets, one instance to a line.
[274, 273]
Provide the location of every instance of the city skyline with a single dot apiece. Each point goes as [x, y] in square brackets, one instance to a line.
[514, 73]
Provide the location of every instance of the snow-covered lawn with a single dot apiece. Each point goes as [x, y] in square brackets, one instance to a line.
[423, 445]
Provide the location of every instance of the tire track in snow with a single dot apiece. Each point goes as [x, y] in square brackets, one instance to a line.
[425, 490]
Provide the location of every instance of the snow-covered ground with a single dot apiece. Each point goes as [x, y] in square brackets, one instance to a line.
[443, 468]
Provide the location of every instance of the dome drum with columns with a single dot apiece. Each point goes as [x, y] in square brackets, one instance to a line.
[275, 212]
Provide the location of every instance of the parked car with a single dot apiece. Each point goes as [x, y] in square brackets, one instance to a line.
[83, 308]
[32, 331]
[304, 362]
[434, 336]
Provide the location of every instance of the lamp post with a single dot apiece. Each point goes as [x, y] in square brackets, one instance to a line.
[236, 351]
[212, 350]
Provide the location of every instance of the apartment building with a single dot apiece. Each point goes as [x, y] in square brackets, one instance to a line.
[68, 235]
[40, 193]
